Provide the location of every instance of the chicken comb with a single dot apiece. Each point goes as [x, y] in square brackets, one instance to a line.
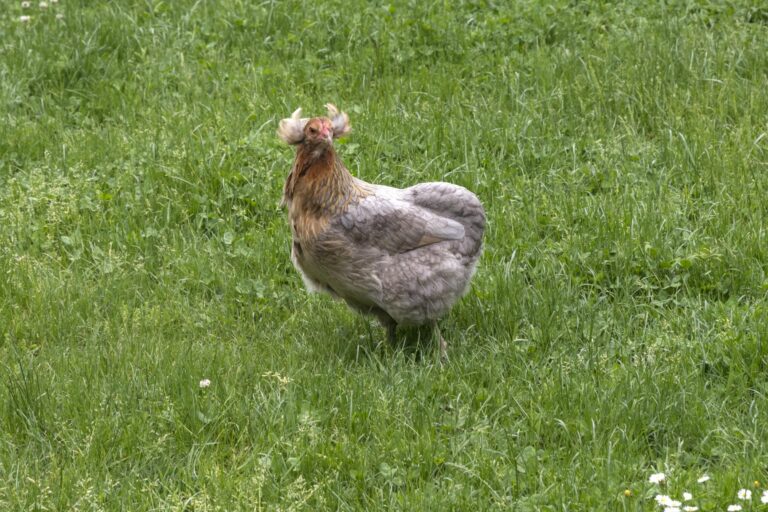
[291, 129]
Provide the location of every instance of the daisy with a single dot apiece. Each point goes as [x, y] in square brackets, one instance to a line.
[689, 508]
[764, 497]
[666, 501]
[745, 494]
[734, 508]
[704, 478]
[205, 383]
[25, 5]
[687, 496]
[657, 478]
[672, 509]
[25, 19]
[43, 5]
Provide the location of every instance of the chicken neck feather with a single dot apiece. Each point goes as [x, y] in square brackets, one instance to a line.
[318, 187]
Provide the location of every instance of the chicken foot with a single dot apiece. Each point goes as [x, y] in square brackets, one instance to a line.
[390, 325]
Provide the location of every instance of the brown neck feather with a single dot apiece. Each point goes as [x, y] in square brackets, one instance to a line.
[318, 181]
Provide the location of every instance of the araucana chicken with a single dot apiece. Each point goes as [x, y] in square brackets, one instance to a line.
[403, 255]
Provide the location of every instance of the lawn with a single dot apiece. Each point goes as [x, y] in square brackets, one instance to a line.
[617, 325]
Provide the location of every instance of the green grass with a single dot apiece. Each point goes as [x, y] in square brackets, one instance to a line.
[617, 325]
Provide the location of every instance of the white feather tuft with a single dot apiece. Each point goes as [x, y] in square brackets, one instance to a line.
[291, 129]
[340, 121]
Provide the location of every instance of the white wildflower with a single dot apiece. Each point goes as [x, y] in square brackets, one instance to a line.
[666, 501]
[745, 494]
[205, 383]
[657, 478]
[734, 508]
[764, 497]
[689, 508]
[704, 478]
[672, 509]
[25, 19]
[25, 5]
[687, 496]
[43, 5]
[54, 1]
[59, 16]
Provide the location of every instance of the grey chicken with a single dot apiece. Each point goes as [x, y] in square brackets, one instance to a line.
[403, 255]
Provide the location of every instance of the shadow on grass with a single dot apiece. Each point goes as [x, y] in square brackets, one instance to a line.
[366, 342]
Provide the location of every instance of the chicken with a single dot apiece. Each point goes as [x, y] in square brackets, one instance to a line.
[405, 256]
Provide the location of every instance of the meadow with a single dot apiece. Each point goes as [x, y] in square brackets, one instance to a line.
[617, 326]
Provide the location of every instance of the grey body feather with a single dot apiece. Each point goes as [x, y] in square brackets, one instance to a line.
[404, 255]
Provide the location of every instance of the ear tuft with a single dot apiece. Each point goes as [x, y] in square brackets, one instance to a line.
[291, 129]
[340, 121]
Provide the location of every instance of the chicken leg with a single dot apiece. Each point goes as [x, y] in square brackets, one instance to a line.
[441, 342]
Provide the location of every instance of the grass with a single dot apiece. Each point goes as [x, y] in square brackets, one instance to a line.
[617, 325]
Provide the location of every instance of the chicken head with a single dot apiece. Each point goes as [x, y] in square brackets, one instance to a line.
[297, 129]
